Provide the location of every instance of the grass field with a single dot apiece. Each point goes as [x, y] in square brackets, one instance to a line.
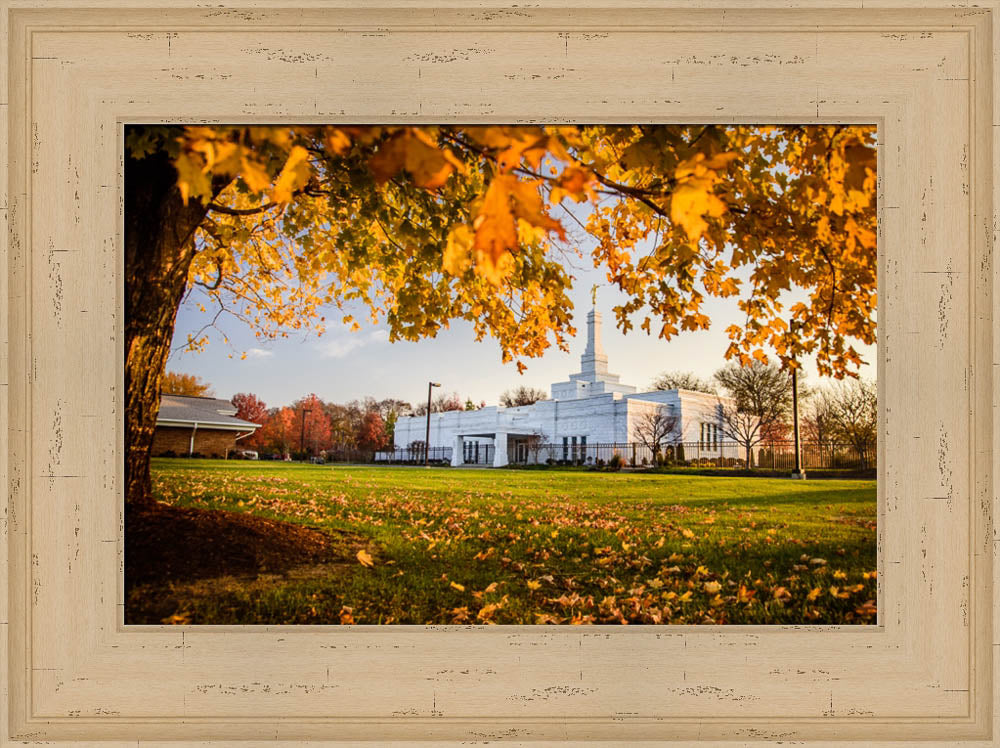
[459, 546]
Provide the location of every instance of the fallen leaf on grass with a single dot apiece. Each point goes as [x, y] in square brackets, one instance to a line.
[365, 558]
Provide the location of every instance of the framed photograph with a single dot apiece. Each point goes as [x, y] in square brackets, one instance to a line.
[353, 518]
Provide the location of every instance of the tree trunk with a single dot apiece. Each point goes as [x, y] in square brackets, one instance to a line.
[749, 456]
[159, 247]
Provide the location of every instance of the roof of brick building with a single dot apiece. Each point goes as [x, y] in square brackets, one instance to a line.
[201, 410]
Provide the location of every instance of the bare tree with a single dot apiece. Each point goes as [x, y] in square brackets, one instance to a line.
[760, 396]
[536, 443]
[443, 403]
[819, 425]
[522, 395]
[654, 427]
[683, 380]
[855, 415]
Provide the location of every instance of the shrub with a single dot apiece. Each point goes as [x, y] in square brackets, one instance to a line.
[169, 453]
[616, 462]
[680, 453]
[600, 462]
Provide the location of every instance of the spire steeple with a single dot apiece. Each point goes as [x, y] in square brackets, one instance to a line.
[593, 377]
[594, 361]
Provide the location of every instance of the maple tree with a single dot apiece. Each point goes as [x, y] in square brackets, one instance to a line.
[425, 225]
[251, 408]
[175, 383]
[372, 435]
[315, 430]
[278, 432]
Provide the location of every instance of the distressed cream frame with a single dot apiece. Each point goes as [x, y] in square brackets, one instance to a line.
[925, 72]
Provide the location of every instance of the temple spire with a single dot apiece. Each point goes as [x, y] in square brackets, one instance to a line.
[594, 360]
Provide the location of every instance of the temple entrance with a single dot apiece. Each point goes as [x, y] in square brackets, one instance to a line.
[475, 453]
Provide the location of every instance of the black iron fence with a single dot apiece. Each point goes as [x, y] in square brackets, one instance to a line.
[777, 455]
[412, 456]
[765, 455]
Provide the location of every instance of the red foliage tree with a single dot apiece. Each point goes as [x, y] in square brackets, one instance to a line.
[372, 434]
[316, 433]
[251, 408]
[278, 433]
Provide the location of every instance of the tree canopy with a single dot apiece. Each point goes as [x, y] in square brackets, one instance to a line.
[177, 383]
[683, 380]
[424, 225]
[522, 395]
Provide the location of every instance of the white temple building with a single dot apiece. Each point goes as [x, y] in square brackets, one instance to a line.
[588, 412]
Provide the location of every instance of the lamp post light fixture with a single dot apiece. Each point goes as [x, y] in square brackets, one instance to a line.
[427, 436]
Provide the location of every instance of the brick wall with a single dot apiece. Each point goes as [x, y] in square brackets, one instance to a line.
[208, 442]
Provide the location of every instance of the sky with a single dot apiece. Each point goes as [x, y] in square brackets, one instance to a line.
[341, 365]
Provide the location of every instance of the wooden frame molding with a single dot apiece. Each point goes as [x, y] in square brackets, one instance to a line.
[924, 72]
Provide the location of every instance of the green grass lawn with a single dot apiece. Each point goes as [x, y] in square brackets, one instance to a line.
[519, 546]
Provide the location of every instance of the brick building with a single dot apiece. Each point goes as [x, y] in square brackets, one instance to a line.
[203, 426]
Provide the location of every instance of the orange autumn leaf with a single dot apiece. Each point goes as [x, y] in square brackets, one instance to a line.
[294, 175]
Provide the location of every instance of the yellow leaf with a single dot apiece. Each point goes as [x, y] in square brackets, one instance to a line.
[457, 253]
[428, 165]
[496, 230]
[294, 175]
[191, 179]
[693, 197]
[687, 533]
[365, 558]
[532, 585]
[255, 175]
[712, 587]
[457, 586]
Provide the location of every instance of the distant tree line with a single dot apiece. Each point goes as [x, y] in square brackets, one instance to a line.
[311, 426]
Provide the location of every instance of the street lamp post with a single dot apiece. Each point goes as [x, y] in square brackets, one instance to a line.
[793, 327]
[797, 473]
[302, 430]
[427, 437]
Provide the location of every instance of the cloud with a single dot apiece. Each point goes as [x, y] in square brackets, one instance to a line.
[341, 347]
[259, 353]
